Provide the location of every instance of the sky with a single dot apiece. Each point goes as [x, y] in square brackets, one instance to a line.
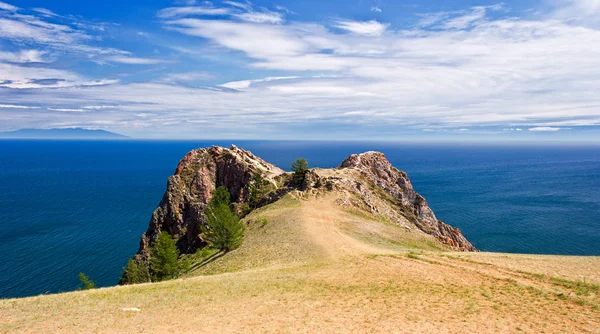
[332, 70]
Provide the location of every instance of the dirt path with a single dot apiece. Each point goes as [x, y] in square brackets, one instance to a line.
[322, 219]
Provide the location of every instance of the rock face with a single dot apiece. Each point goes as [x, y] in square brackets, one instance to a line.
[376, 168]
[200, 172]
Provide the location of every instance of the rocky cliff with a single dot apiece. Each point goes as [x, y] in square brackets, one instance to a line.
[199, 173]
[363, 176]
[376, 168]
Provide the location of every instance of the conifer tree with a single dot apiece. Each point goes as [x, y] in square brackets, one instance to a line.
[223, 230]
[164, 255]
[88, 284]
[135, 273]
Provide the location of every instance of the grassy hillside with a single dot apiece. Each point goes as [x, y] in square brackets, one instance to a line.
[309, 265]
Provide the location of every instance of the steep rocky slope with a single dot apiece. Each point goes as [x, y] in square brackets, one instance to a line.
[377, 169]
[367, 181]
[198, 174]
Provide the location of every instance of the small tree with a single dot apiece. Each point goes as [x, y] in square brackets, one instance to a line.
[164, 255]
[223, 230]
[135, 273]
[87, 283]
[300, 168]
[257, 189]
[221, 196]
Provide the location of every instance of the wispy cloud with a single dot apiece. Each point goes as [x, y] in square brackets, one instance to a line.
[452, 72]
[134, 60]
[13, 106]
[261, 17]
[544, 129]
[192, 10]
[581, 12]
[23, 56]
[5, 6]
[186, 77]
[66, 109]
[368, 28]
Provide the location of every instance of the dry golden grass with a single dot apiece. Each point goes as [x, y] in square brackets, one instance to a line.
[316, 268]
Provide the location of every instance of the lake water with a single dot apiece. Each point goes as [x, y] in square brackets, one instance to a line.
[80, 206]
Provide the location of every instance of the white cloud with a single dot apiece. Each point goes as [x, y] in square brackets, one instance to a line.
[134, 60]
[368, 28]
[23, 56]
[20, 77]
[258, 17]
[62, 38]
[247, 83]
[544, 129]
[186, 76]
[256, 40]
[12, 106]
[100, 107]
[45, 11]
[376, 9]
[466, 20]
[66, 109]
[189, 11]
[580, 12]
[284, 10]
[239, 5]
[5, 6]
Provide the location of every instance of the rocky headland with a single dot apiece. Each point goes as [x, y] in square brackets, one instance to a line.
[364, 181]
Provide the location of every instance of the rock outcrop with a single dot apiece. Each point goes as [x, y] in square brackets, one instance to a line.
[376, 168]
[181, 212]
[189, 190]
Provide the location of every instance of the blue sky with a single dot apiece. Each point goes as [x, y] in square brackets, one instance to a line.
[356, 70]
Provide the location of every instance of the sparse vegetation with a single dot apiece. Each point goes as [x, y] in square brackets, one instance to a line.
[262, 221]
[86, 282]
[223, 230]
[413, 255]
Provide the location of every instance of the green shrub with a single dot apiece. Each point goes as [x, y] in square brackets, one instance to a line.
[262, 221]
[223, 230]
[87, 283]
[329, 185]
[135, 273]
[164, 255]
[413, 255]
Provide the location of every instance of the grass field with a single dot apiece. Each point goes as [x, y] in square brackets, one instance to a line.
[307, 265]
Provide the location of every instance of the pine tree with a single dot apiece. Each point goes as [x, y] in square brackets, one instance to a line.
[135, 273]
[300, 168]
[88, 284]
[223, 230]
[164, 255]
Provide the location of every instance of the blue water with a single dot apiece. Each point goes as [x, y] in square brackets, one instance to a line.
[68, 207]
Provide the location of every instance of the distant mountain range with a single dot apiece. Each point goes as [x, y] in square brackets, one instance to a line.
[67, 133]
